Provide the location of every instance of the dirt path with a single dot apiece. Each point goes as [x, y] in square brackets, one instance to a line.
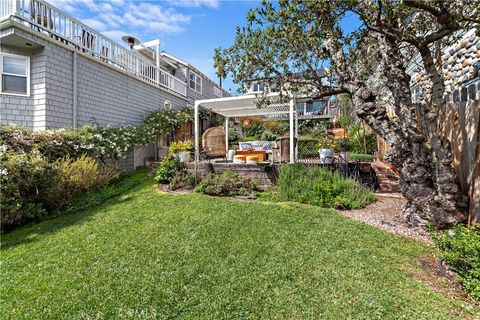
[386, 214]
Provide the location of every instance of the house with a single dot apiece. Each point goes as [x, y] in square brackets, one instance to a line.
[57, 72]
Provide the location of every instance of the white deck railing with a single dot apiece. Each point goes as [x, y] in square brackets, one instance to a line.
[319, 109]
[42, 17]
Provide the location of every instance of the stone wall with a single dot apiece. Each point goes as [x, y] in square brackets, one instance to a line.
[460, 64]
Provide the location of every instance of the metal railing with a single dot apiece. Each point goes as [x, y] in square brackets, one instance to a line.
[44, 18]
[316, 109]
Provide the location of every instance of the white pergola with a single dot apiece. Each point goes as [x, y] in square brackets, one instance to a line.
[248, 105]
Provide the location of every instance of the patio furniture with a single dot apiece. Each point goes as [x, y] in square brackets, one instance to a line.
[213, 141]
[260, 153]
[239, 159]
[281, 151]
[252, 159]
[266, 146]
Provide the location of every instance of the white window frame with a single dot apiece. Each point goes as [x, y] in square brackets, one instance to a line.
[217, 92]
[260, 87]
[416, 93]
[27, 59]
[195, 77]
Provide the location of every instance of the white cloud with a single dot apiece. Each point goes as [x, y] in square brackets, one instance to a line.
[95, 24]
[130, 16]
[195, 3]
[141, 18]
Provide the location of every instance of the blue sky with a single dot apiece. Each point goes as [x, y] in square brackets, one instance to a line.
[188, 29]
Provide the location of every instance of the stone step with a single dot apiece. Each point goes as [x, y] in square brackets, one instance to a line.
[388, 176]
[388, 186]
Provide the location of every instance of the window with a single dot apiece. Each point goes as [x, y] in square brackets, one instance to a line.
[217, 92]
[416, 94]
[195, 82]
[15, 77]
[258, 87]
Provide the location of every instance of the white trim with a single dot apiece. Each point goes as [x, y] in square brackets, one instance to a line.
[14, 24]
[27, 76]
[195, 80]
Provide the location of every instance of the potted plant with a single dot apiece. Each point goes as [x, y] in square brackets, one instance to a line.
[325, 149]
[344, 146]
[181, 150]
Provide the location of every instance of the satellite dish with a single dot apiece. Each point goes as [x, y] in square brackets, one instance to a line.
[131, 41]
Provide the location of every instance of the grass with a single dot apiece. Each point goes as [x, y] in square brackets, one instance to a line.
[145, 255]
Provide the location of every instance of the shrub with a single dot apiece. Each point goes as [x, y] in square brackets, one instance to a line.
[268, 135]
[343, 145]
[254, 128]
[180, 146]
[76, 176]
[360, 157]
[276, 126]
[32, 187]
[182, 180]
[26, 187]
[460, 248]
[313, 127]
[226, 184]
[168, 167]
[363, 141]
[318, 186]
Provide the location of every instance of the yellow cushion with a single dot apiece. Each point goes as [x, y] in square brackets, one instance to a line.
[239, 159]
[253, 159]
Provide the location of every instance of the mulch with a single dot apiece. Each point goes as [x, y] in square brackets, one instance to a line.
[386, 214]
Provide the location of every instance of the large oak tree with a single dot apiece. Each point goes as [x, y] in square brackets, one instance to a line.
[284, 44]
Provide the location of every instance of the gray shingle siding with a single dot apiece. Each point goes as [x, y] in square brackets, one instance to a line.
[26, 111]
[105, 95]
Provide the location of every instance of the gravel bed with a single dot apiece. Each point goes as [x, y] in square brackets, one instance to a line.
[386, 214]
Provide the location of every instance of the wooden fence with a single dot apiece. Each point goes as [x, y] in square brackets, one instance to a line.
[460, 123]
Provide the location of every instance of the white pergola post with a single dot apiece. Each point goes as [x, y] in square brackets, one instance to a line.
[296, 134]
[292, 130]
[197, 137]
[226, 137]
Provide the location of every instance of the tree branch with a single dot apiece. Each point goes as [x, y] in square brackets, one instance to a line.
[422, 5]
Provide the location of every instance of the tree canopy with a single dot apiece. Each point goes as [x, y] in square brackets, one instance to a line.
[286, 44]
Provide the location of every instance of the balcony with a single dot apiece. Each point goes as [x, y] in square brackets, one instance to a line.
[316, 109]
[41, 17]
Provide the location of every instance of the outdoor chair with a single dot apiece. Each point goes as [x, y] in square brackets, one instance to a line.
[281, 151]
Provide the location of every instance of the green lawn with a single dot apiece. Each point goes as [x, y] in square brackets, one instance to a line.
[144, 255]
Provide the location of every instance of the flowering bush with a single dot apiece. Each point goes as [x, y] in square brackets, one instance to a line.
[26, 181]
[40, 171]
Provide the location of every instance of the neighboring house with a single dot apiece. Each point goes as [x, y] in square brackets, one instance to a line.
[323, 108]
[57, 72]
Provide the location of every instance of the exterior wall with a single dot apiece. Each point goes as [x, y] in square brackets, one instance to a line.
[107, 96]
[104, 95]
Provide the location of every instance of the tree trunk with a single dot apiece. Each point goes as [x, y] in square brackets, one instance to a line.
[427, 178]
[429, 187]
